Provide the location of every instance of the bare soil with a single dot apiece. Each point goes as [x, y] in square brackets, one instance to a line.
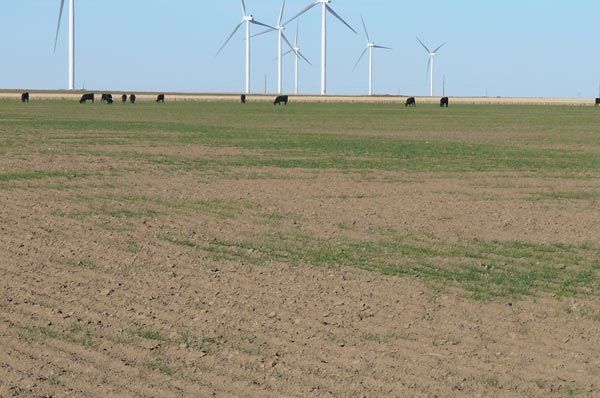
[100, 303]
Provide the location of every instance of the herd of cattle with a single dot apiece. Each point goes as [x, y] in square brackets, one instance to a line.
[281, 99]
[105, 99]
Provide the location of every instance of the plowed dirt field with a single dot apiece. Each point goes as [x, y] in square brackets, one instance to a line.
[314, 250]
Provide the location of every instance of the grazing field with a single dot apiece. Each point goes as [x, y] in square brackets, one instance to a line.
[212, 249]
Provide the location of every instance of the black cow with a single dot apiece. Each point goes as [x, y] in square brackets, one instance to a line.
[160, 98]
[86, 98]
[597, 101]
[107, 99]
[282, 99]
[410, 102]
[132, 98]
[444, 102]
[124, 98]
[243, 98]
[25, 97]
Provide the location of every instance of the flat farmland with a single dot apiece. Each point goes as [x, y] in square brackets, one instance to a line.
[212, 249]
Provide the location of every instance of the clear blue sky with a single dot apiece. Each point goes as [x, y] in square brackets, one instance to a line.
[504, 48]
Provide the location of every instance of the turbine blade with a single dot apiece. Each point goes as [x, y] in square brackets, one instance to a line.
[262, 33]
[297, 31]
[287, 41]
[255, 22]
[283, 55]
[60, 12]
[281, 14]
[230, 36]
[305, 9]
[424, 46]
[244, 8]
[428, 66]
[383, 47]
[365, 28]
[335, 14]
[304, 58]
[436, 50]
[360, 58]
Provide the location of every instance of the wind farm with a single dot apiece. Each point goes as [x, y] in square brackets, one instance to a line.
[200, 203]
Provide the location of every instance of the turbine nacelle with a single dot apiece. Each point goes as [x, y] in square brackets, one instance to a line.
[248, 18]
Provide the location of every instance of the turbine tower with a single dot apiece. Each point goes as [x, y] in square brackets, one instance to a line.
[280, 37]
[247, 19]
[325, 8]
[431, 63]
[71, 39]
[369, 48]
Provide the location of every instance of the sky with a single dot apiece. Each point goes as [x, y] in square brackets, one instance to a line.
[537, 48]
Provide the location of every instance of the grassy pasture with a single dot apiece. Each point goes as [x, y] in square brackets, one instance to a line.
[363, 142]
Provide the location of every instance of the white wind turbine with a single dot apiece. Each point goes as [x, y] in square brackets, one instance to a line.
[295, 49]
[298, 54]
[71, 39]
[246, 19]
[325, 8]
[369, 48]
[280, 39]
[431, 63]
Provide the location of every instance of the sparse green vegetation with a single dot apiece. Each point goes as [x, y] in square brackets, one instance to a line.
[74, 335]
[161, 366]
[53, 379]
[363, 140]
[205, 344]
[566, 196]
[149, 334]
[486, 269]
[180, 242]
[380, 338]
[344, 142]
[40, 175]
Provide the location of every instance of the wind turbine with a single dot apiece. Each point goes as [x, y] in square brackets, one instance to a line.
[298, 54]
[431, 63]
[293, 49]
[247, 19]
[325, 8]
[280, 39]
[71, 39]
[369, 48]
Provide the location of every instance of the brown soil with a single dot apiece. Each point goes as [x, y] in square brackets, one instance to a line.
[96, 306]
